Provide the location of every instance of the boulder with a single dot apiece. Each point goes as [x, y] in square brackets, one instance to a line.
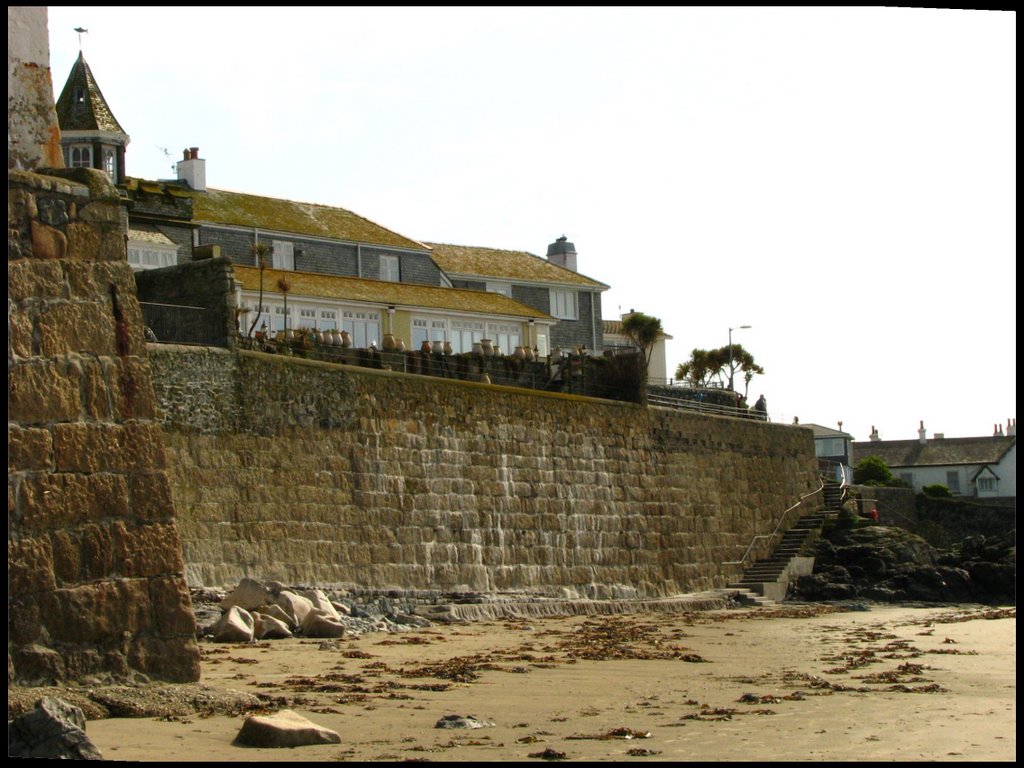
[319, 623]
[321, 601]
[277, 612]
[296, 606]
[283, 729]
[235, 626]
[269, 628]
[249, 594]
[54, 730]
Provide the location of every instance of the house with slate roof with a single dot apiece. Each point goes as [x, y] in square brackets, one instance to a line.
[968, 466]
[343, 271]
[550, 285]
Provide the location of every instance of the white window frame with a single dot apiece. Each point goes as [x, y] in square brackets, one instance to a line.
[145, 255]
[110, 163]
[505, 336]
[283, 255]
[389, 268]
[464, 332]
[80, 156]
[328, 319]
[505, 289]
[363, 325]
[564, 304]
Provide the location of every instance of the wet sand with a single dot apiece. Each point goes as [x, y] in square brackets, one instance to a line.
[797, 683]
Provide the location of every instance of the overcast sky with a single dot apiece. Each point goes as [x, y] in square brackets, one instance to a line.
[843, 180]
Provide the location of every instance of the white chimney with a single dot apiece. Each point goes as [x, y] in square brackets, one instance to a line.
[563, 253]
[192, 170]
[921, 434]
[1011, 427]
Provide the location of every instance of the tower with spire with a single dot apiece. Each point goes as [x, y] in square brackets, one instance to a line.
[90, 135]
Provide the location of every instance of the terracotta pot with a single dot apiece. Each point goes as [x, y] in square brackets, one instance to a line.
[487, 347]
[346, 339]
[388, 343]
[425, 347]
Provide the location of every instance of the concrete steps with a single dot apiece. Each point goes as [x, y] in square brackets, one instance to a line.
[766, 581]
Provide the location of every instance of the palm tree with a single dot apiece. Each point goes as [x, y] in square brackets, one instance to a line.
[260, 251]
[643, 331]
[284, 286]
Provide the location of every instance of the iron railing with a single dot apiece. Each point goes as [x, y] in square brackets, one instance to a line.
[176, 324]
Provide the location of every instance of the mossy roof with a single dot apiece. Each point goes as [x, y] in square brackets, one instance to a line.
[218, 206]
[474, 261]
[401, 295]
[148, 234]
[91, 114]
[946, 451]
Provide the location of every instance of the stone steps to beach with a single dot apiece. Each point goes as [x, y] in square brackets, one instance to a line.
[770, 576]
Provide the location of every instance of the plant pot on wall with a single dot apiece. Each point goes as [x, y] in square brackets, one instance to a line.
[388, 343]
[346, 339]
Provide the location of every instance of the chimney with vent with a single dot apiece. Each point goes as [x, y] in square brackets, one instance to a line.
[1011, 427]
[922, 436]
[562, 253]
[873, 437]
[192, 170]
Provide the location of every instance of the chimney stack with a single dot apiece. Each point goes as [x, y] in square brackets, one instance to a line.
[921, 434]
[873, 437]
[562, 253]
[1011, 427]
[192, 170]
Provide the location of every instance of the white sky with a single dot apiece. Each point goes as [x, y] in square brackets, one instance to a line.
[841, 179]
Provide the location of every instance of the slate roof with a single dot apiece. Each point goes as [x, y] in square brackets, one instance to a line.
[402, 295]
[92, 114]
[218, 206]
[947, 451]
[820, 431]
[515, 266]
[148, 234]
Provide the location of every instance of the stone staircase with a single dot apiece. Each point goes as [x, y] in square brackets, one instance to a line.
[765, 582]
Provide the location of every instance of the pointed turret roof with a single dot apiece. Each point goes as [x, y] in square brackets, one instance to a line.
[81, 106]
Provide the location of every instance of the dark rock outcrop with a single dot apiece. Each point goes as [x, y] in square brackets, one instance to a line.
[875, 562]
[53, 730]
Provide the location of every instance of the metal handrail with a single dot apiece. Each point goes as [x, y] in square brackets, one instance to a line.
[760, 536]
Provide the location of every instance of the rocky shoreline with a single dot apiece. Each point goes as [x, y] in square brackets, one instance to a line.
[859, 560]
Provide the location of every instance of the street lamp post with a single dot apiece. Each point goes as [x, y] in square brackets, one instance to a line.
[731, 388]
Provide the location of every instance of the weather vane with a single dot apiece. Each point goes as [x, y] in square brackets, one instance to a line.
[80, 30]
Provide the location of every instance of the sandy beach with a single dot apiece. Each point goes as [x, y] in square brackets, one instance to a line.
[793, 682]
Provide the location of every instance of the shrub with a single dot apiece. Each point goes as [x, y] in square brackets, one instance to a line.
[871, 470]
[937, 491]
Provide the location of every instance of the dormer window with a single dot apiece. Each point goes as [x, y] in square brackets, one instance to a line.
[80, 156]
[79, 95]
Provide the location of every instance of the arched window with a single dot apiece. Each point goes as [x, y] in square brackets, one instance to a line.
[109, 163]
[81, 157]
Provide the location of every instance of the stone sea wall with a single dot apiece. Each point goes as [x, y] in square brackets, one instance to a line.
[95, 575]
[320, 474]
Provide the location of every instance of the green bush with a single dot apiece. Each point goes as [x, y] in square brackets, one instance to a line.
[871, 470]
[937, 491]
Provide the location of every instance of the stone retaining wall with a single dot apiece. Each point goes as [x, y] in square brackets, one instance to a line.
[95, 575]
[314, 473]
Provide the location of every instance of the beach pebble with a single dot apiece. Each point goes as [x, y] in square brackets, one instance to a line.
[458, 721]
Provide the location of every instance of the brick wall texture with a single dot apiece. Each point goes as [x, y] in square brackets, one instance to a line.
[95, 575]
[320, 474]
